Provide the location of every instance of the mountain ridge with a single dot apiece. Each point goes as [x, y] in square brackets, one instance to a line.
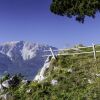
[22, 57]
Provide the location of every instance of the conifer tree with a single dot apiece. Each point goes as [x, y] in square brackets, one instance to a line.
[76, 8]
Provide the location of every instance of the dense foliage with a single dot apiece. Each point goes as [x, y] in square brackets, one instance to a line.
[78, 8]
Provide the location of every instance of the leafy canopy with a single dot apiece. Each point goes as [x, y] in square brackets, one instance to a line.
[77, 8]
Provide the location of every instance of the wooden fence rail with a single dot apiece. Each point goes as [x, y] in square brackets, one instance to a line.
[93, 47]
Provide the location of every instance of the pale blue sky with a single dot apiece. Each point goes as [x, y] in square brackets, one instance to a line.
[31, 20]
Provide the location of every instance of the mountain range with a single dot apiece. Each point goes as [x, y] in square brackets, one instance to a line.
[22, 57]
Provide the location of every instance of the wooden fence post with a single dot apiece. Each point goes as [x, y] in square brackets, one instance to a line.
[94, 51]
[52, 53]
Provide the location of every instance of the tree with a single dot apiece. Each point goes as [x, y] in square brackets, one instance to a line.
[76, 8]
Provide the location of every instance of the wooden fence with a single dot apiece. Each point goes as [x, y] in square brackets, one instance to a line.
[52, 52]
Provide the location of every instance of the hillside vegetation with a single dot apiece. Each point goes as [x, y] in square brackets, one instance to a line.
[77, 78]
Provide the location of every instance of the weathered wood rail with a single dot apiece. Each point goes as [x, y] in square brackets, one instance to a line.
[93, 51]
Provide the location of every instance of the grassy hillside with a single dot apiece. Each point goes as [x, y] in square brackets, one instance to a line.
[77, 76]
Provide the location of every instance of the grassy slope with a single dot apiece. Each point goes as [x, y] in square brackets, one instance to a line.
[80, 84]
[75, 85]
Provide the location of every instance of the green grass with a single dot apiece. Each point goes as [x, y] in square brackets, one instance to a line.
[80, 84]
[76, 84]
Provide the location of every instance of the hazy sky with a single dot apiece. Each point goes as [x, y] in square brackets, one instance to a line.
[31, 20]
